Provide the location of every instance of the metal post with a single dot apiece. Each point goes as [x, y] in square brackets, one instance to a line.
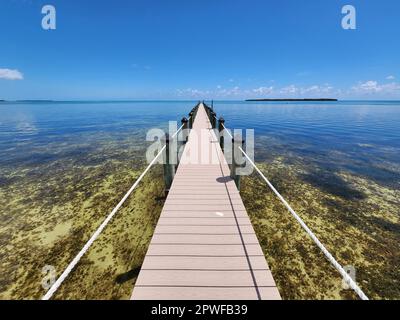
[169, 169]
[191, 119]
[213, 119]
[236, 154]
[221, 123]
[209, 114]
[185, 123]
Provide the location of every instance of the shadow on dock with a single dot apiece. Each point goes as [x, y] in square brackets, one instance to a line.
[127, 276]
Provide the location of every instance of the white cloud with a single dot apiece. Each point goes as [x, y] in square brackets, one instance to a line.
[193, 93]
[219, 92]
[292, 89]
[263, 90]
[9, 74]
[235, 91]
[370, 89]
[309, 92]
[324, 89]
[318, 91]
[371, 86]
[390, 77]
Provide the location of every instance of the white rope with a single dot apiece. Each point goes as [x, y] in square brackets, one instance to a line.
[175, 134]
[74, 262]
[327, 254]
[227, 131]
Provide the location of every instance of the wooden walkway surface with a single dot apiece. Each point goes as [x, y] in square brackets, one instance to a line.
[204, 246]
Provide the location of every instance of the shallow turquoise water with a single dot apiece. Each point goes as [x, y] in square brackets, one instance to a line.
[49, 147]
[360, 137]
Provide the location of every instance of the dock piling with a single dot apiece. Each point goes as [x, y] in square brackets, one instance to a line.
[221, 127]
[213, 119]
[185, 123]
[208, 113]
[169, 168]
[191, 119]
[236, 156]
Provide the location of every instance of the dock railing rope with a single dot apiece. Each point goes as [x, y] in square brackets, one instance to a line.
[352, 284]
[99, 230]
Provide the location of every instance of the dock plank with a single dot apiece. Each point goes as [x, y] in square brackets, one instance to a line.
[204, 245]
[205, 278]
[211, 293]
[203, 221]
[205, 250]
[215, 230]
[205, 263]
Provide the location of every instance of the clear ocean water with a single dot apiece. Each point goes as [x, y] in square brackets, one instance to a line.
[64, 165]
[362, 137]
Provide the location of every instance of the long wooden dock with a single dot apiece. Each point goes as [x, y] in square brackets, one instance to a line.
[204, 246]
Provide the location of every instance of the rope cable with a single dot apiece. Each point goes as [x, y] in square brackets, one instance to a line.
[352, 284]
[96, 234]
[327, 254]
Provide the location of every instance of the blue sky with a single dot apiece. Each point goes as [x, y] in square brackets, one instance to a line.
[157, 49]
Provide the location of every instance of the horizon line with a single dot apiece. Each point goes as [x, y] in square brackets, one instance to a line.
[190, 100]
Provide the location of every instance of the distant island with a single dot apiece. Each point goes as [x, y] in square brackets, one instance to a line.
[292, 100]
[35, 100]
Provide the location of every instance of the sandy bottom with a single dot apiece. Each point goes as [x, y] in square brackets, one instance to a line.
[49, 211]
[355, 218]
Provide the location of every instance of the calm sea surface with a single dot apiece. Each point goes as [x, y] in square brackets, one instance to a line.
[360, 137]
[64, 165]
